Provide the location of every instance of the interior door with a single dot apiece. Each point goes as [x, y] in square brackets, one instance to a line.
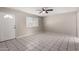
[7, 26]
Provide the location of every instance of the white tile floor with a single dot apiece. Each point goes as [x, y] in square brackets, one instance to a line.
[42, 42]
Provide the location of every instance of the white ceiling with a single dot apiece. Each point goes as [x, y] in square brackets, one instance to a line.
[57, 10]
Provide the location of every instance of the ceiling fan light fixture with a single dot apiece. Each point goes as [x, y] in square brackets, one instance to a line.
[43, 12]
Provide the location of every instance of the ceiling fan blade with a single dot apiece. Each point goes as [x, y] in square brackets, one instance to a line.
[43, 9]
[46, 11]
[49, 10]
[40, 12]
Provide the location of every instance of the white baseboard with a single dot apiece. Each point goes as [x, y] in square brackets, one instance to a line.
[25, 35]
[21, 36]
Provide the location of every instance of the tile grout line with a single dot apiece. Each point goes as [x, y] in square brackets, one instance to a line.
[7, 45]
[21, 43]
[61, 44]
[75, 45]
[54, 43]
[15, 45]
[67, 45]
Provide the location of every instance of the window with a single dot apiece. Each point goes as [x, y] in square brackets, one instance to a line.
[32, 22]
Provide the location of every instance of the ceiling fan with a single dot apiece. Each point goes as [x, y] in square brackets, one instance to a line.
[45, 10]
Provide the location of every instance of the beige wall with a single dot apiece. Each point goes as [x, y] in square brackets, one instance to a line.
[20, 18]
[61, 23]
